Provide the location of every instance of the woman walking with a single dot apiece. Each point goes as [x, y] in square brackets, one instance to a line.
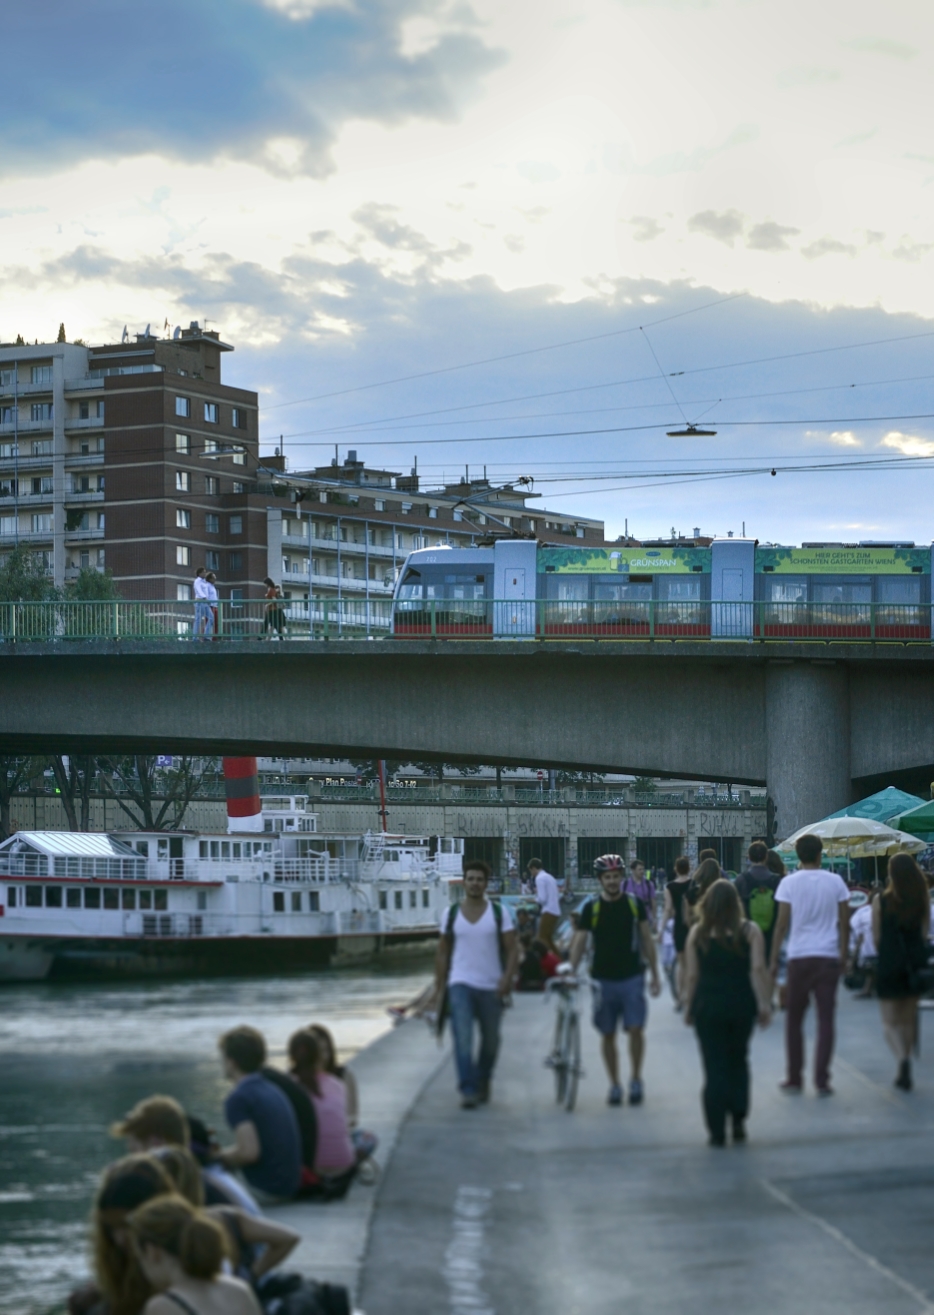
[727, 990]
[901, 921]
[677, 908]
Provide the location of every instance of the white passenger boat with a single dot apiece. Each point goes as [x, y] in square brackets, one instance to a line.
[283, 898]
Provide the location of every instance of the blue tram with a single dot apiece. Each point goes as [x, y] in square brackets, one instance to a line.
[727, 588]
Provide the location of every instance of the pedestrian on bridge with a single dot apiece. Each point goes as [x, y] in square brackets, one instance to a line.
[813, 913]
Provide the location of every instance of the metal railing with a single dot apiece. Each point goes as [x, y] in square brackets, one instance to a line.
[541, 619]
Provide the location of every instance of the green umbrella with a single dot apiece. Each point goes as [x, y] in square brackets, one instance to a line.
[881, 807]
[917, 821]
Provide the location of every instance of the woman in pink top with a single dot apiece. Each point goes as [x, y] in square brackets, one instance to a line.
[335, 1152]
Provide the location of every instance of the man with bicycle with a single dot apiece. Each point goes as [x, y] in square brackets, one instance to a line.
[618, 924]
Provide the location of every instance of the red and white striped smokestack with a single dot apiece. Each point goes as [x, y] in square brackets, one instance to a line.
[241, 781]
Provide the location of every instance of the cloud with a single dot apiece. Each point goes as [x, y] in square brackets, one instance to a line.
[645, 229]
[724, 226]
[827, 246]
[246, 81]
[769, 236]
[910, 251]
[845, 438]
[9, 213]
[882, 46]
[807, 77]
[538, 171]
[908, 444]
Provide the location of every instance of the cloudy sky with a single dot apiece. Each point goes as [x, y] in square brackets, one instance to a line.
[533, 235]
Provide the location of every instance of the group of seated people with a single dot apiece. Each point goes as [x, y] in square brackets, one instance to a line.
[177, 1222]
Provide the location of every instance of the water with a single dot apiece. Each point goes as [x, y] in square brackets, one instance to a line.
[73, 1059]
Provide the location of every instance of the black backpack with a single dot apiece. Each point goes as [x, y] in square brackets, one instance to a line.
[305, 1115]
[293, 1294]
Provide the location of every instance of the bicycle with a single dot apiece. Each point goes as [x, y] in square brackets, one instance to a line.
[565, 1057]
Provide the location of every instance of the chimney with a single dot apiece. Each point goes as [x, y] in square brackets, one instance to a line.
[241, 782]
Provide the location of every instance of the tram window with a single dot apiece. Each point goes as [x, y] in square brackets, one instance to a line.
[617, 591]
[33, 897]
[128, 899]
[111, 898]
[788, 589]
[858, 590]
[145, 899]
[898, 589]
[92, 898]
[679, 588]
[411, 586]
[568, 588]
[53, 897]
[73, 898]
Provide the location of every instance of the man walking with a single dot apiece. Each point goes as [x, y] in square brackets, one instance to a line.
[548, 895]
[815, 904]
[756, 887]
[623, 944]
[476, 964]
[199, 587]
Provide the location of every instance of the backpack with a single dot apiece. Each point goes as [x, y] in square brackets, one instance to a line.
[762, 907]
[293, 1294]
[634, 907]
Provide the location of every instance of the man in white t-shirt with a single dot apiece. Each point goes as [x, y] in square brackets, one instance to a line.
[476, 961]
[814, 903]
[548, 894]
[199, 587]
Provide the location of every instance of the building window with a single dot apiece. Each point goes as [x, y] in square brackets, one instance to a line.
[182, 518]
[212, 523]
[406, 508]
[212, 485]
[101, 524]
[235, 562]
[210, 445]
[236, 595]
[379, 505]
[42, 484]
[458, 515]
[238, 417]
[278, 901]
[433, 513]
[42, 524]
[182, 555]
[239, 458]
[212, 560]
[210, 412]
[41, 411]
[182, 481]
[237, 487]
[182, 442]
[183, 406]
[182, 593]
[41, 374]
[236, 525]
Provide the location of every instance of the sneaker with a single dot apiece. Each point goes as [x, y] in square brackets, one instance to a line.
[616, 1095]
[825, 1091]
[791, 1088]
[739, 1130]
[635, 1092]
[483, 1095]
[903, 1081]
[469, 1102]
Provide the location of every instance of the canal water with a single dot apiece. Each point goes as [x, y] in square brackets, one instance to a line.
[73, 1059]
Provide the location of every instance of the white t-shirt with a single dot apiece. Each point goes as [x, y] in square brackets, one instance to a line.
[475, 961]
[547, 892]
[815, 896]
[861, 926]
[200, 586]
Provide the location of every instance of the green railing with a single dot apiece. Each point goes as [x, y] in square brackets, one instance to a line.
[452, 619]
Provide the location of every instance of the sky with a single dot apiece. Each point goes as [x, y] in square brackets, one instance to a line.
[531, 236]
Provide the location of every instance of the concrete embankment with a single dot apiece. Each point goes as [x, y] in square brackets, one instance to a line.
[522, 1207]
[391, 1073]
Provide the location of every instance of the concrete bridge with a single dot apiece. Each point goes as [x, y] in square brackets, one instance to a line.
[812, 722]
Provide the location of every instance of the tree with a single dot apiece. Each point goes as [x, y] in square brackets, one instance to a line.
[61, 333]
[24, 579]
[154, 798]
[15, 771]
[90, 586]
[20, 342]
[75, 780]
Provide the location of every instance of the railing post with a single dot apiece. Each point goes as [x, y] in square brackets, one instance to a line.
[327, 634]
[220, 618]
[652, 618]
[13, 622]
[540, 617]
[872, 622]
[434, 619]
[116, 624]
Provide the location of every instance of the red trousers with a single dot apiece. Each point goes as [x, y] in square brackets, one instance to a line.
[806, 978]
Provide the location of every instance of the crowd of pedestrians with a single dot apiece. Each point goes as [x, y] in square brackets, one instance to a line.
[178, 1222]
[739, 948]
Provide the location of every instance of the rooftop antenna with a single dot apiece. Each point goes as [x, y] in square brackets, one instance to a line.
[126, 336]
[147, 334]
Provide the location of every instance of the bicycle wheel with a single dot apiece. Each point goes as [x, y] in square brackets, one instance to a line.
[560, 1058]
[573, 1053]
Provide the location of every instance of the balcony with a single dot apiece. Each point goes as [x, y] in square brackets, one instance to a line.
[21, 463]
[81, 385]
[74, 537]
[89, 495]
[25, 426]
[84, 459]
[347, 585]
[325, 544]
[76, 422]
[29, 536]
[25, 389]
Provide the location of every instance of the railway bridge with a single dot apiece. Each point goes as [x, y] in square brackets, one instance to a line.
[813, 722]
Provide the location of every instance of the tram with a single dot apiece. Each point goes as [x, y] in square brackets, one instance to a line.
[720, 589]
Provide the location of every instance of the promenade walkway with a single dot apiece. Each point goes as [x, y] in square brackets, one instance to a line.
[521, 1207]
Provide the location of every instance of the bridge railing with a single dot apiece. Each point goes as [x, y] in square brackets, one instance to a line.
[181, 620]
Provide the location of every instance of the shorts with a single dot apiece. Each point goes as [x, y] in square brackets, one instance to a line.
[620, 1000]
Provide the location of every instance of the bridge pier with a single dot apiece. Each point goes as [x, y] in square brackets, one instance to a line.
[807, 728]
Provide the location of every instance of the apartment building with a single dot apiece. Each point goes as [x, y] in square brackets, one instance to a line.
[133, 457]
[350, 532]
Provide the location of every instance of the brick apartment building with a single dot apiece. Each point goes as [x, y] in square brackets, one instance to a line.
[135, 457]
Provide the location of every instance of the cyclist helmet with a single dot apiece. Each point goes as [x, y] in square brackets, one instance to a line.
[608, 863]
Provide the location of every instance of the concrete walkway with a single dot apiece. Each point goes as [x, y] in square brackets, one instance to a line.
[521, 1207]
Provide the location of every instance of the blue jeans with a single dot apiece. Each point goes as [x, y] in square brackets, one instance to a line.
[466, 1004]
[204, 621]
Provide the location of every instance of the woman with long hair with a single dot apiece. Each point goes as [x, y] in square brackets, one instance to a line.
[180, 1251]
[339, 1071]
[118, 1279]
[702, 878]
[727, 990]
[901, 922]
[335, 1153]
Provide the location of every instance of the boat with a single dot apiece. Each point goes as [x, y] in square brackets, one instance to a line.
[276, 897]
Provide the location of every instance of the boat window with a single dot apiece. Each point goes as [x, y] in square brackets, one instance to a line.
[398, 899]
[162, 849]
[413, 899]
[225, 849]
[426, 898]
[92, 898]
[278, 901]
[111, 898]
[383, 900]
[73, 898]
[314, 901]
[215, 849]
[11, 896]
[129, 899]
[202, 849]
[296, 901]
[33, 897]
[142, 847]
[53, 897]
[236, 849]
[160, 900]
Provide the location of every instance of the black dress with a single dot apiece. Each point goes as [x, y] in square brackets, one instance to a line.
[678, 891]
[900, 950]
[724, 1012]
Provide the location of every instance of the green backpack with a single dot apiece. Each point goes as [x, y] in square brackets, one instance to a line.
[762, 908]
